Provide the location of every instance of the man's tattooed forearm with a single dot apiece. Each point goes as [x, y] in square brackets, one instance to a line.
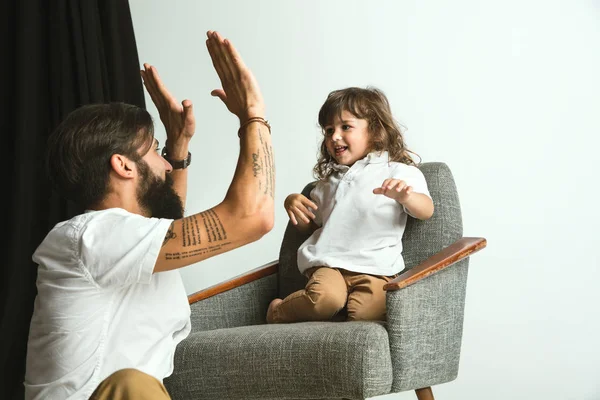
[268, 166]
[256, 167]
[269, 150]
[195, 252]
[170, 234]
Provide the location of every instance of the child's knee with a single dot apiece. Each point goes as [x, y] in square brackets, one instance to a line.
[130, 384]
[366, 308]
[128, 377]
[327, 303]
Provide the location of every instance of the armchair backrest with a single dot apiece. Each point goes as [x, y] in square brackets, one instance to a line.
[421, 239]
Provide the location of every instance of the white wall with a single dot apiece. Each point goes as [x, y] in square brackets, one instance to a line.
[506, 93]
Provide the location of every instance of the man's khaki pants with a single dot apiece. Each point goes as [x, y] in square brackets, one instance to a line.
[130, 384]
[328, 291]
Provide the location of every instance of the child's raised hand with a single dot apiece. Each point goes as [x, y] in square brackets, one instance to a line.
[394, 189]
[299, 207]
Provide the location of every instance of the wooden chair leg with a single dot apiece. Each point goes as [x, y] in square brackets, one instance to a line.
[424, 394]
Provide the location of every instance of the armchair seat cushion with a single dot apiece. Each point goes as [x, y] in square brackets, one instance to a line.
[309, 360]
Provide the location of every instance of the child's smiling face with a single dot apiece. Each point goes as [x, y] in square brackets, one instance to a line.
[347, 138]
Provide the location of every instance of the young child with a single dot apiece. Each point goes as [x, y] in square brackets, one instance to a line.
[357, 213]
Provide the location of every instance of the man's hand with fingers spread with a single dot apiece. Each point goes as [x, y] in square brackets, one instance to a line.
[395, 189]
[178, 119]
[300, 210]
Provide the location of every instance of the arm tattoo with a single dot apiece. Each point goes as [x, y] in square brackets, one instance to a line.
[191, 234]
[213, 225]
[267, 162]
[195, 252]
[256, 167]
[190, 231]
[170, 234]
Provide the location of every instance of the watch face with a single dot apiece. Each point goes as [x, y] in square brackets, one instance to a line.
[177, 164]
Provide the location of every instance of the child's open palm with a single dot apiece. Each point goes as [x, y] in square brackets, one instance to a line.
[299, 208]
[395, 189]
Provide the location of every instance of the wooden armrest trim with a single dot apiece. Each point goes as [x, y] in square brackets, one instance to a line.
[247, 277]
[458, 250]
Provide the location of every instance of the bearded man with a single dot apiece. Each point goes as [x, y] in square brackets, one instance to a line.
[111, 307]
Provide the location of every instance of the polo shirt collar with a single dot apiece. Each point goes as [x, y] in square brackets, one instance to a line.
[375, 157]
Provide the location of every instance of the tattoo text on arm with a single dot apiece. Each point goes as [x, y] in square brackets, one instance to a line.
[192, 234]
[191, 229]
[195, 252]
[266, 165]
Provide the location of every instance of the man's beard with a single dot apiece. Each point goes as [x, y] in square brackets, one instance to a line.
[156, 196]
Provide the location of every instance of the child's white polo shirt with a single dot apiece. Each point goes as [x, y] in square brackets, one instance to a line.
[360, 231]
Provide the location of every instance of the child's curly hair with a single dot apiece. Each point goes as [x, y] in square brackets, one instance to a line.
[371, 105]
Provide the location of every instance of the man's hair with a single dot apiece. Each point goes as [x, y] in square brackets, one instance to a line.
[80, 149]
[369, 104]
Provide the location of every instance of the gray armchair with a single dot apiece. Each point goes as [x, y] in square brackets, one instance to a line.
[232, 354]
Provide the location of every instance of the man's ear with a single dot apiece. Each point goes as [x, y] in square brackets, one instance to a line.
[122, 166]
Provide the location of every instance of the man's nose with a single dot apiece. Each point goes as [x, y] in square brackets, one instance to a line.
[169, 167]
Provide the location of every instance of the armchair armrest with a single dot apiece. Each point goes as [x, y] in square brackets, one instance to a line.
[457, 251]
[247, 277]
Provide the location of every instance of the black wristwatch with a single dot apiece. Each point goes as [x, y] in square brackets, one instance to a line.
[177, 164]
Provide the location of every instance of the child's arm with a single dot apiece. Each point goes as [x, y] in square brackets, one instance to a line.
[417, 204]
[300, 210]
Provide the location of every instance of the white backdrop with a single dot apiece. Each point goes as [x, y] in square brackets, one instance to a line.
[505, 93]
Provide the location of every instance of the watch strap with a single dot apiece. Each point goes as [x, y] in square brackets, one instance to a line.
[177, 164]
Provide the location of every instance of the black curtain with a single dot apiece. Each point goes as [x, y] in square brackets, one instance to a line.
[57, 55]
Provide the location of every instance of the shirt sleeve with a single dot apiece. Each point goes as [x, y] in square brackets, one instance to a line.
[119, 249]
[316, 195]
[413, 177]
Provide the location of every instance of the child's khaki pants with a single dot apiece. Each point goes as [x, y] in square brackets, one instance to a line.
[328, 291]
[130, 384]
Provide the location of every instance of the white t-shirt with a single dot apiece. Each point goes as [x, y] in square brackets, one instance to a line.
[99, 307]
[360, 231]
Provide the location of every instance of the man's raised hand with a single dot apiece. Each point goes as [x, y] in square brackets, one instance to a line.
[240, 91]
[178, 119]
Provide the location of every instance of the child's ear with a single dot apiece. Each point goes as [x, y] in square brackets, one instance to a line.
[376, 133]
[122, 166]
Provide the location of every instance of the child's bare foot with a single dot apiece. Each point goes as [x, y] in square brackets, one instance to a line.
[270, 310]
